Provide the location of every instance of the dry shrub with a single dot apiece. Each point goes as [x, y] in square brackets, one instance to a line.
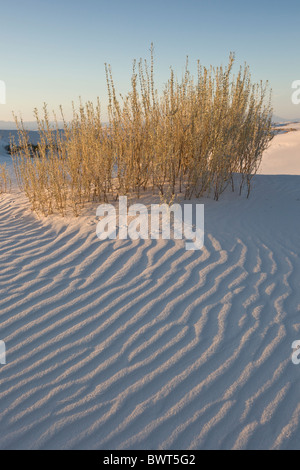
[191, 139]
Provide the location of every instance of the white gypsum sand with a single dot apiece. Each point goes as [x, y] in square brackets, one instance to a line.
[144, 345]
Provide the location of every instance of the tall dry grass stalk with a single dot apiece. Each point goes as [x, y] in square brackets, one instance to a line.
[5, 181]
[191, 139]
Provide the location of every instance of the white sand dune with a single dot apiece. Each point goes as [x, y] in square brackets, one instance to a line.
[283, 157]
[143, 345]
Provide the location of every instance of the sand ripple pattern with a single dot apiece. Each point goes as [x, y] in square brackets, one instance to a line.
[142, 345]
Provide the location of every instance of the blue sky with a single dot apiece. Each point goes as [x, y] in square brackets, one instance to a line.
[54, 51]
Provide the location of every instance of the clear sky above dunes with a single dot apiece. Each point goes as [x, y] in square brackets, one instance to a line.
[55, 51]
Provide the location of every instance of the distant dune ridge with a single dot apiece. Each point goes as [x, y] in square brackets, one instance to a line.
[278, 119]
[10, 125]
[128, 344]
[32, 125]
